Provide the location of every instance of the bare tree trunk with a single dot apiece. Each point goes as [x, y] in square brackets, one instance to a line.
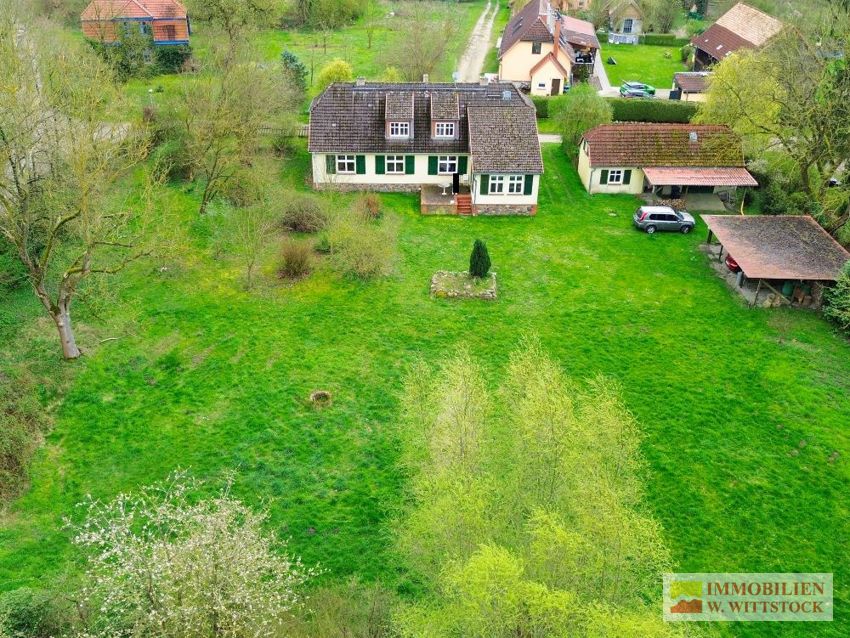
[62, 318]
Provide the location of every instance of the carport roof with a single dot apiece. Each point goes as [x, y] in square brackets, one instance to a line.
[699, 176]
[779, 247]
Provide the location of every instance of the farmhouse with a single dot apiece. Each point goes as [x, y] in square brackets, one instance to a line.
[528, 55]
[468, 148]
[690, 86]
[790, 255]
[165, 21]
[742, 27]
[663, 159]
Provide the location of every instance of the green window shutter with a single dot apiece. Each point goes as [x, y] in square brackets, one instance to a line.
[529, 185]
[409, 164]
[462, 164]
[485, 185]
[432, 164]
[379, 165]
[330, 164]
[360, 164]
[627, 176]
[603, 179]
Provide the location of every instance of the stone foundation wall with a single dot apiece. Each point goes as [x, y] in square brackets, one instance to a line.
[375, 188]
[505, 209]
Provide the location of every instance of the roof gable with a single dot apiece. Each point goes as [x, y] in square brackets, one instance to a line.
[529, 24]
[752, 25]
[641, 144]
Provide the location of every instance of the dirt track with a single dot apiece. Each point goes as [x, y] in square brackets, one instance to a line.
[472, 61]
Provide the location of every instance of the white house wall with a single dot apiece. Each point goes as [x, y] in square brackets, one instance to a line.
[370, 177]
[509, 200]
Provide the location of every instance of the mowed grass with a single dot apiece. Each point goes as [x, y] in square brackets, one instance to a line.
[209, 377]
[642, 63]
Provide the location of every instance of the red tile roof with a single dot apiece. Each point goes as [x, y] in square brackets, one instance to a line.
[699, 176]
[111, 9]
[643, 144]
[742, 27]
[779, 246]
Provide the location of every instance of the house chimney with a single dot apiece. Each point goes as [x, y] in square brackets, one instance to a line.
[482, 80]
[557, 48]
[693, 137]
[361, 81]
[425, 78]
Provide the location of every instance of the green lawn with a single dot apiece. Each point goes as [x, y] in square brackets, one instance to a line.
[208, 377]
[642, 63]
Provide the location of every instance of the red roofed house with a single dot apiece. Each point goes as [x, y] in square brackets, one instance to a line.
[742, 27]
[529, 58]
[665, 159]
[165, 21]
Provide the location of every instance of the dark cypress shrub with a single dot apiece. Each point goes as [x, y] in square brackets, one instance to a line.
[479, 260]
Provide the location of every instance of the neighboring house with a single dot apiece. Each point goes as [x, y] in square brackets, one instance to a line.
[165, 21]
[468, 148]
[690, 86]
[742, 27]
[528, 55]
[665, 159]
[572, 5]
[625, 22]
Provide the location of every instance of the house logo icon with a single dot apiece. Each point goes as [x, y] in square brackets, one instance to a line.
[686, 596]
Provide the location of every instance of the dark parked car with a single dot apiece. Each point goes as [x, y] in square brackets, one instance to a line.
[636, 89]
[652, 218]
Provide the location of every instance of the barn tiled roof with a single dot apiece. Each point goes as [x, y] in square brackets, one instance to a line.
[155, 9]
[504, 140]
[642, 144]
[347, 118]
[742, 27]
[779, 246]
[692, 82]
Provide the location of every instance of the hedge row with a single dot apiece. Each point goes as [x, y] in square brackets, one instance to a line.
[663, 40]
[652, 110]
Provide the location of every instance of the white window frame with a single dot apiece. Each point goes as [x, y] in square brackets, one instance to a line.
[450, 162]
[399, 129]
[342, 163]
[444, 129]
[497, 185]
[395, 161]
[615, 177]
[516, 184]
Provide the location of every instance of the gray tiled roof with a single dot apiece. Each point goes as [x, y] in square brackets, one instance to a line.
[347, 118]
[444, 105]
[504, 140]
[399, 105]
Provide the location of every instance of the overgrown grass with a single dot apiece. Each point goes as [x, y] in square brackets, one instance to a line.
[206, 376]
[642, 63]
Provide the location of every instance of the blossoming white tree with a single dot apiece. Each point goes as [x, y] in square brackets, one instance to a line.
[163, 563]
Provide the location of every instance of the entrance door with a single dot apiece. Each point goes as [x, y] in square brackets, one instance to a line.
[455, 183]
[556, 86]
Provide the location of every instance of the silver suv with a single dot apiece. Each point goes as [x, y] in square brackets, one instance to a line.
[652, 218]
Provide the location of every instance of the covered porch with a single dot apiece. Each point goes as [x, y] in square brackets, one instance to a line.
[439, 199]
[707, 189]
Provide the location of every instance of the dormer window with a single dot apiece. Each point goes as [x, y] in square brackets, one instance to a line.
[399, 129]
[444, 129]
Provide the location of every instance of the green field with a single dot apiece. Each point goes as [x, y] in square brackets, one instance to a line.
[206, 376]
[642, 63]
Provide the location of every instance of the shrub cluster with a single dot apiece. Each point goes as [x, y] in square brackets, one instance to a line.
[21, 425]
[296, 259]
[837, 306]
[652, 110]
[303, 214]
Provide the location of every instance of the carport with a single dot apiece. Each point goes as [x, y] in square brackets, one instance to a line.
[787, 252]
[702, 188]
